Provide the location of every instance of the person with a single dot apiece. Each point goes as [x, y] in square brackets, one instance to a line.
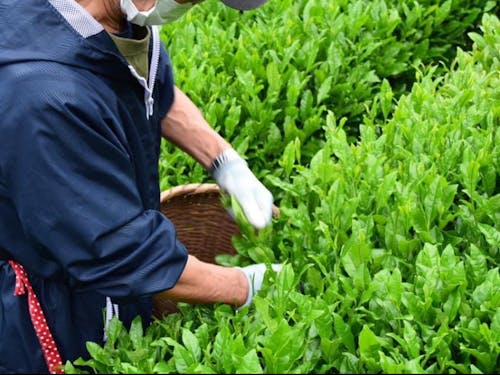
[87, 93]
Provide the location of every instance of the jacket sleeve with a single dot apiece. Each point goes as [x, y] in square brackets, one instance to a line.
[73, 185]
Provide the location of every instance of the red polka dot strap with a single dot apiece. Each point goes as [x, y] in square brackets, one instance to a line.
[49, 348]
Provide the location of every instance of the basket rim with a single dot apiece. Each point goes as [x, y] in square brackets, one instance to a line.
[198, 188]
[192, 188]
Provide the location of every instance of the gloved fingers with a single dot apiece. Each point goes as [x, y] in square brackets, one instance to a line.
[255, 277]
[265, 202]
[257, 214]
[235, 178]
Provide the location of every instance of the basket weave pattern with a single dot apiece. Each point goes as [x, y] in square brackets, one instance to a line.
[203, 225]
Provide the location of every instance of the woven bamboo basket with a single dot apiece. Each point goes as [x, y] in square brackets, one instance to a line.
[203, 225]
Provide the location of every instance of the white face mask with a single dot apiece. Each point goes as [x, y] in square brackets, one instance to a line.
[164, 11]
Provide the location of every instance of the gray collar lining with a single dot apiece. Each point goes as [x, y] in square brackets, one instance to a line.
[81, 20]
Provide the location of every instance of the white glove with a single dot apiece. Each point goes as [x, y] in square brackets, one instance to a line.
[255, 276]
[234, 177]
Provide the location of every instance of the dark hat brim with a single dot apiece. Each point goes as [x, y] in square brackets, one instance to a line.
[244, 4]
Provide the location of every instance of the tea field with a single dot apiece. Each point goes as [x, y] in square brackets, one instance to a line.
[376, 125]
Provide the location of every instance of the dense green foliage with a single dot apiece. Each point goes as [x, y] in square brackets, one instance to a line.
[267, 77]
[388, 179]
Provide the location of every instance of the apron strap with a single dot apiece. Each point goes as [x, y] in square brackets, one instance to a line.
[49, 347]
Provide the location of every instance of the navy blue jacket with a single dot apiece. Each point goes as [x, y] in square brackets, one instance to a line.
[79, 189]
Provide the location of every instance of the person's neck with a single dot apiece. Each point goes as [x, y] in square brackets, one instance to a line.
[107, 12]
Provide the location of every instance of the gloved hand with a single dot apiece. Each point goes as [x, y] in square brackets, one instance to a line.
[233, 176]
[255, 276]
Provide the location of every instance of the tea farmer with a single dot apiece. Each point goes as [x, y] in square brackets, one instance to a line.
[86, 93]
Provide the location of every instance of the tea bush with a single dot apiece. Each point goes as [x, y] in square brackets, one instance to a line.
[390, 243]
